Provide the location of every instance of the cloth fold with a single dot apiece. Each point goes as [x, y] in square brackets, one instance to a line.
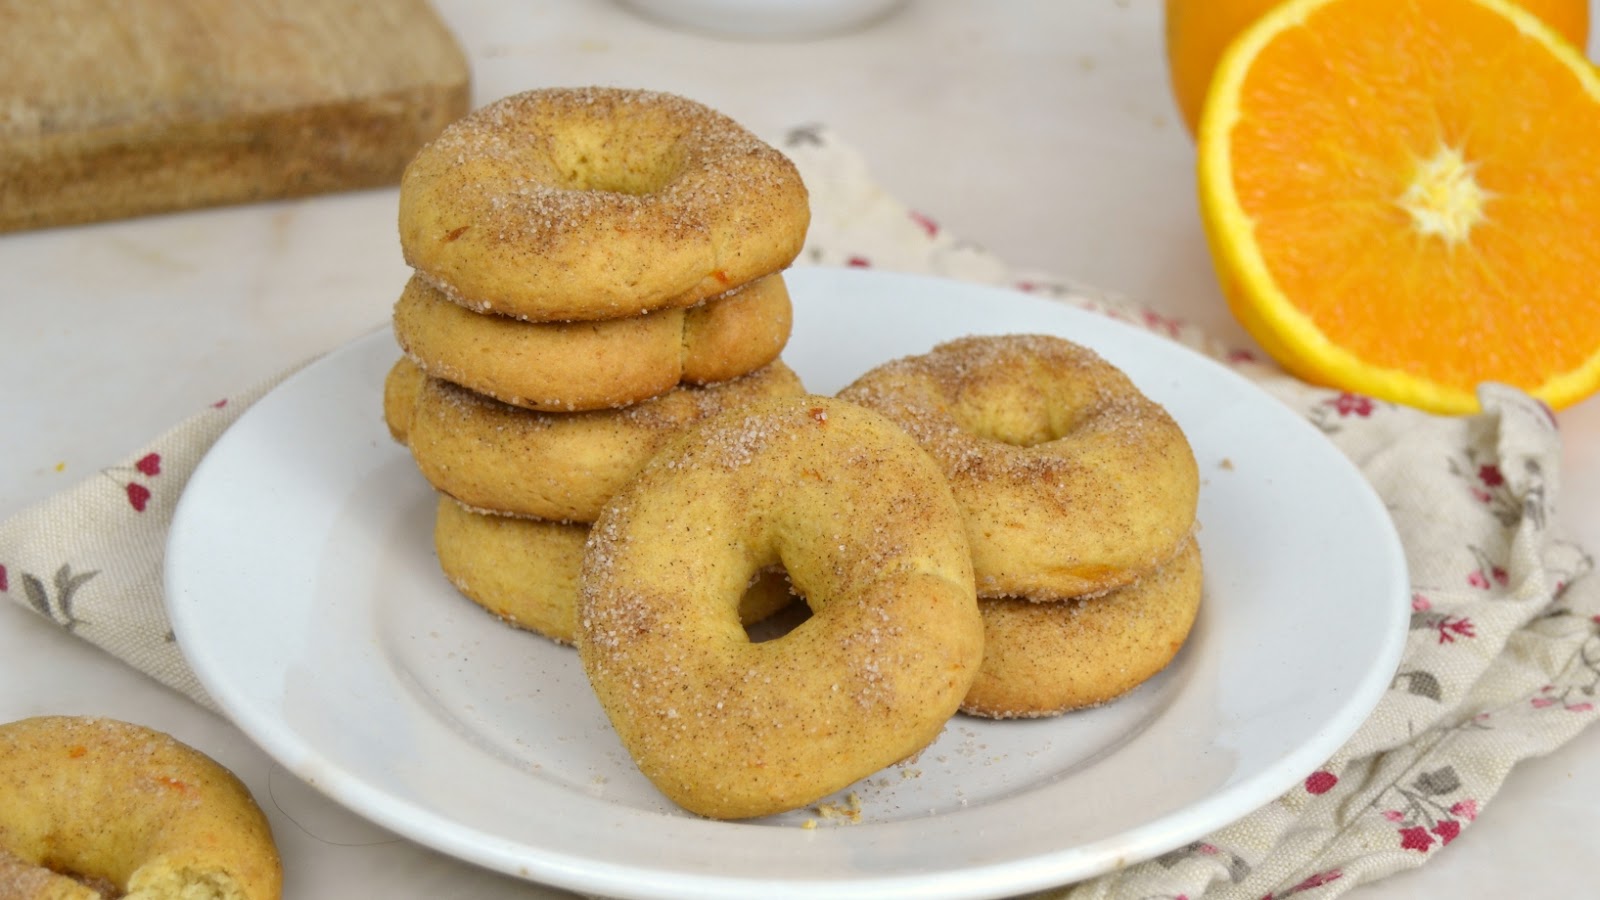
[1501, 664]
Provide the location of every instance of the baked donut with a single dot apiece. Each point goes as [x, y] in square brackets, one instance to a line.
[597, 203]
[568, 366]
[401, 387]
[108, 803]
[1073, 481]
[525, 571]
[869, 534]
[737, 332]
[1043, 659]
[559, 466]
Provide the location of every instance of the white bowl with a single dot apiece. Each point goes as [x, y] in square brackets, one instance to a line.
[766, 19]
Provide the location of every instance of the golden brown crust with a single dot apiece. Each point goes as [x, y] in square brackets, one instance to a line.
[108, 801]
[867, 530]
[1043, 659]
[1073, 482]
[525, 571]
[597, 203]
[738, 332]
[559, 466]
[576, 366]
[401, 387]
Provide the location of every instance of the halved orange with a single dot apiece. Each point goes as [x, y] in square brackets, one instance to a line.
[1402, 198]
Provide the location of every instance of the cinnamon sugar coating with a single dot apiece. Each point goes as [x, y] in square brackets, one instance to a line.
[547, 465]
[570, 366]
[597, 203]
[525, 571]
[1043, 659]
[868, 532]
[127, 808]
[1072, 481]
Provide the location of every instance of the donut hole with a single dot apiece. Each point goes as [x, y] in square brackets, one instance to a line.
[1025, 418]
[614, 161]
[772, 625]
[779, 623]
[1021, 412]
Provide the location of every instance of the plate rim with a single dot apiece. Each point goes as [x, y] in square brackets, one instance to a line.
[982, 880]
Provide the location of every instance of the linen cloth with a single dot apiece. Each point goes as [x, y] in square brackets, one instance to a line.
[1501, 664]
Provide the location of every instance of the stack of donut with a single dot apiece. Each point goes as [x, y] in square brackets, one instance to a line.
[595, 270]
[1079, 495]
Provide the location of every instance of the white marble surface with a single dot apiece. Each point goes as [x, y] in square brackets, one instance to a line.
[1042, 130]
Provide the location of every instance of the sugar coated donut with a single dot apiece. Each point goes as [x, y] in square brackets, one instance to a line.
[559, 466]
[113, 805]
[567, 366]
[401, 387]
[525, 571]
[736, 332]
[1042, 659]
[597, 203]
[1072, 480]
[868, 532]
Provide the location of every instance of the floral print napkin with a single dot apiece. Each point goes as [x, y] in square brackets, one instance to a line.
[1502, 662]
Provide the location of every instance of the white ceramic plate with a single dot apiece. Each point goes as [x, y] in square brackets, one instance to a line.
[304, 591]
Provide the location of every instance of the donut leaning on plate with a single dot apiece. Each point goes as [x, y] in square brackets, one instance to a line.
[573, 366]
[864, 525]
[116, 805]
[597, 203]
[525, 571]
[558, 466]
[1073, 482]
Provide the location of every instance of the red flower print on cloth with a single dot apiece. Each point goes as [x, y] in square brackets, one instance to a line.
[1424, 819]
[149, 464]
[1321, 782]
[1330, 414]
[1488, 573]
[5, 583]
[1415, 838]
[138, 496]
[927, 224]
[146, 466]
[1309, 882]
[1488, 483]
[1348, 404]
[1166, 325]
[1568, 699]
[1448, 627]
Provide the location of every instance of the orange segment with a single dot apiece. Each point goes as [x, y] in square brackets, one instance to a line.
[1403, 198]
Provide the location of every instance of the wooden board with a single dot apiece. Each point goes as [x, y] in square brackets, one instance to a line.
[116, 108]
